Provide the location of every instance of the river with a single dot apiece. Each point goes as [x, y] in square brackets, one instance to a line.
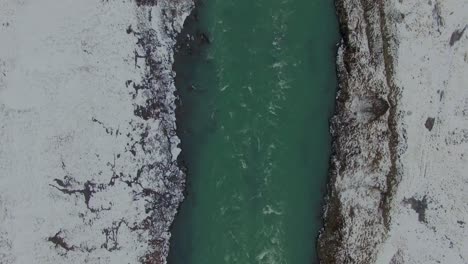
[253, 120]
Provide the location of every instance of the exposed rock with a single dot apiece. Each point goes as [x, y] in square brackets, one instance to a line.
[364, 138]
[456, 36]
[419, 206]
[429, 124]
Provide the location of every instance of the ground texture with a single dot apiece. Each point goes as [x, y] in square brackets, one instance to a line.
[88, 170]
[398, 180]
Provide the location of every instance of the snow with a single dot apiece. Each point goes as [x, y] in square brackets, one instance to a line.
[80, 170]
[398, 175]
[362, 154]
[433, 78]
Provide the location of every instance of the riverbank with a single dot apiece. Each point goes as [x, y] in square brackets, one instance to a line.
[88, 165]
[385, 192]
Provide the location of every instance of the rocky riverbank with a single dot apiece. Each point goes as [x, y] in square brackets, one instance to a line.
[396, 65]
[362, 163]
[88, 164]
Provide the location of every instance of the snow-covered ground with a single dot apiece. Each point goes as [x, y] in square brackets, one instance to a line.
[430, 207]
[399, 180]
[88, 150]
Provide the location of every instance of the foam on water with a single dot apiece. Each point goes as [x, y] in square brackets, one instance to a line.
[255, 140]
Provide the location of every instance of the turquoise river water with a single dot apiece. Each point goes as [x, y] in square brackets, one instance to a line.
[253, 120]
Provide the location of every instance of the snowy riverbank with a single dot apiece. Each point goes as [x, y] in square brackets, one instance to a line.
[397, 190]
[88, 170]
